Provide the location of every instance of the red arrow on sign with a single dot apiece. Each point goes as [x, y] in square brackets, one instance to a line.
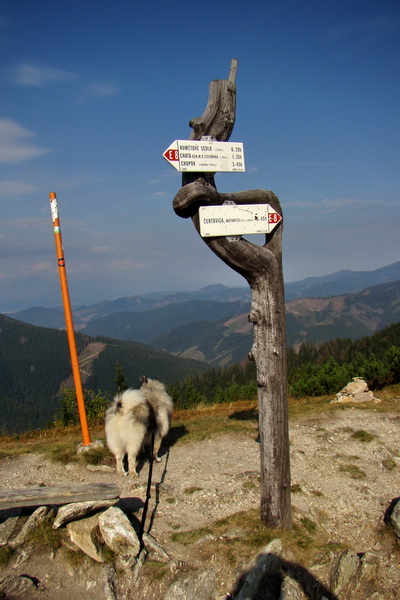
[274, 217]
[171, 154]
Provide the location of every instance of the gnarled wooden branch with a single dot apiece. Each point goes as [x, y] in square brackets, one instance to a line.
[262, 268]
[219, 117]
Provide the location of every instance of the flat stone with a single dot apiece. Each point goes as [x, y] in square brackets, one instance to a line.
[9, 521]
[85, 534]
[344, 572]
[20, 586]
[119, 535]
[102, 468]
[76, 510]
[195, 586]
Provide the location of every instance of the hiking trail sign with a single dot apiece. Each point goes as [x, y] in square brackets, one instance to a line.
[237, 219]
[206, 155]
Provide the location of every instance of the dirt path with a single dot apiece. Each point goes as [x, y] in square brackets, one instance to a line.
[342, 480]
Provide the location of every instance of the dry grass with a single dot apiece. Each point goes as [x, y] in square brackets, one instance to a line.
[236, 538]
[193, 424]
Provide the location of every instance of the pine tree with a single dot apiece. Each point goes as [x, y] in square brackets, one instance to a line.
[120, 378]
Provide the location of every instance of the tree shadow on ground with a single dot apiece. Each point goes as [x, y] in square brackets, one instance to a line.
[264, 581]
[250, 414]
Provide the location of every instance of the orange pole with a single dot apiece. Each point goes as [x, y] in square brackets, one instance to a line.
[68, 319]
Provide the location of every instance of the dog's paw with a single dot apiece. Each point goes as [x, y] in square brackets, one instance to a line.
[157, 459]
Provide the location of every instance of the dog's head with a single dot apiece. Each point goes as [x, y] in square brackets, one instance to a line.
[144, 380]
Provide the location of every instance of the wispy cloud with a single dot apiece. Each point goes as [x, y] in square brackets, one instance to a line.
[23, 223]
[333, 204]
[29, 75]
[99, 249]
[15, 188]
[15, 143]
[98, 90]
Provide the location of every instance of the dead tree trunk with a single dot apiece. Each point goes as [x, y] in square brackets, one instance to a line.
[262, 268]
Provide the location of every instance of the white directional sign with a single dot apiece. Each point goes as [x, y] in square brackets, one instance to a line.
[237, 219]
[205, 155]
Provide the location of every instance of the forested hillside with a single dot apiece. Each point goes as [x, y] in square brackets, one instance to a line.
[35, 361]
[312, 370]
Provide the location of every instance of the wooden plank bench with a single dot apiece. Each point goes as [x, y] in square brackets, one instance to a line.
[44, 496]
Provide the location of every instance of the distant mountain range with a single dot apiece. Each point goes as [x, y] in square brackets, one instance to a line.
[211, 324]
[341, 282]
[313, 320]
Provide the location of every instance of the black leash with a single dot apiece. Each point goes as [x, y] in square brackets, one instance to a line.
[148, 493]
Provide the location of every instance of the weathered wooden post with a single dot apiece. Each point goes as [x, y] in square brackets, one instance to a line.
[261, 266]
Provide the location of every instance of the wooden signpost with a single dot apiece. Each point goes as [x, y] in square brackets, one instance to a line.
[261, 266]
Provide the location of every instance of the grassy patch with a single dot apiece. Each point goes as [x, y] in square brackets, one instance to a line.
[296, 488]
[95, 456]
[190, 537]
[64, 453]
[249, 485]
[209, 421]
[304, 540]
[389, 464]
[192, 490]
[305, 407]
[45, 535]
[317, 493]
[5, 555]
[308, 525]
[363, 436]
[354, 471]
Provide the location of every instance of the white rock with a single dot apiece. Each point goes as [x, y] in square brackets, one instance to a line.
[118, 533]
[86, 535]
[76, 510]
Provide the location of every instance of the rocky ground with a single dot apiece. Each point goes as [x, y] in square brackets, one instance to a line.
[345, 471]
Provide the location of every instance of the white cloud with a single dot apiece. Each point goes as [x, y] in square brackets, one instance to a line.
[15, 188]
[99, 249]
[23, 223]
[28, 75]
[15, 144]
[42, 266]
[332, 204]
[98, 90]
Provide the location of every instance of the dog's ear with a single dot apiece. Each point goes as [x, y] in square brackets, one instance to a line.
[143, 380]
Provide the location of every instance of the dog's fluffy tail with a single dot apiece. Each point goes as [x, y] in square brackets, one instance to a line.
[130, 403]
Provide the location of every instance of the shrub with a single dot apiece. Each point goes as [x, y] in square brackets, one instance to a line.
[96, 404]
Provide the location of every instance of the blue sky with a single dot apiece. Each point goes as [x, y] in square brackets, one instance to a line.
[92, 93]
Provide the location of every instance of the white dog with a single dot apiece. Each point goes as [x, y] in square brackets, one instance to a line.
[133, 418]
